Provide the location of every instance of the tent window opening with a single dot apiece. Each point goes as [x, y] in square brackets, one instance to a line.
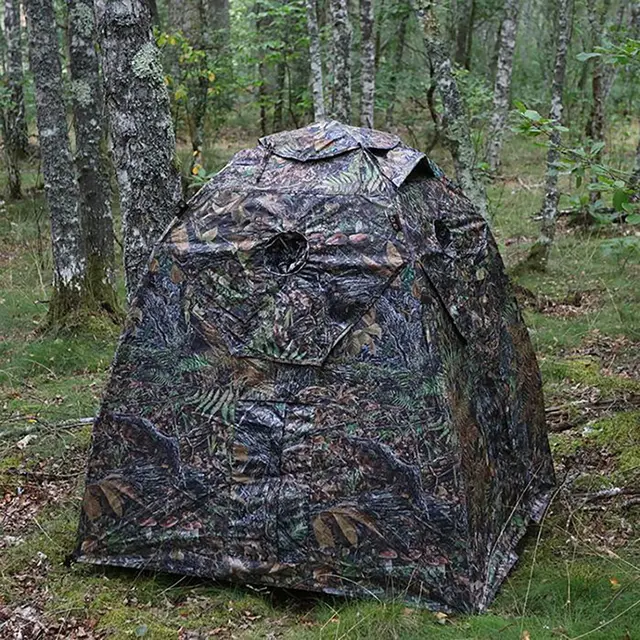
[286, 253]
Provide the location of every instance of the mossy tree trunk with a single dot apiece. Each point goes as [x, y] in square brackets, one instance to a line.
[91, 162]
[367, 63]
[455, 123]
[341, 59]
[315, 58]
[14, 120]
[141, 130]
[61, 186]
[538, 257]
[502, 85]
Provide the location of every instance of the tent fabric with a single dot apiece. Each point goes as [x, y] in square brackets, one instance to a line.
[324, 383]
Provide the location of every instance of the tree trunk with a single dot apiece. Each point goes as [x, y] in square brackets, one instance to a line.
[466, 12]
[315, 58]
[502, 86]
[141, 130]
[634, 180]
[14, 123]
[396, 69]
[596, 123]
[382, 12]
[341, 98]
[368, 64]
[262, 24]
[455, 125]
[539, 254]
[191, 18]
[61, 187]
[278, 105]
[91, 162]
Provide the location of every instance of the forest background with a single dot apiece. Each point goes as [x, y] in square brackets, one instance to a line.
[532, 105]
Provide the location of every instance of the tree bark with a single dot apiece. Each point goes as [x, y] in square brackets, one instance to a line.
[466, 12]
[396, 69]
[315, 58]
[278, 105]
[539, 255]
[596, 123]
[382, 12]
[262, 24]
[455, 124]
[341, 36]
[368, 64]
[141, 130]
[502, 86]
[91, 162]
[634, 180]
[61, 186]
[14, 122]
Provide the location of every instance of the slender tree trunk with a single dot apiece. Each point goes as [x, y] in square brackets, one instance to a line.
[91, 162]
[14, 121]
[317, 83]
[634, 180]
[396, 69]
[455, 124]
[278, 106]
[368, 64]
[379, 27]
[15, 76]
[539, 254]
[61, 186]
[262, 23]
[596, 123]
[191, 18]
[502, 86]
[341, 98]
[141, 130]
[466, 12]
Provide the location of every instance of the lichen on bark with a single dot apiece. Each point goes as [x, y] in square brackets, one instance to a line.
[141, 130]
[90, 159]
[538, 257]
[455, 125]
[341, 58]
[14, 124]
[61, 186]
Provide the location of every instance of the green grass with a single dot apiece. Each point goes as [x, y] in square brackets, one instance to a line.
[579, 572]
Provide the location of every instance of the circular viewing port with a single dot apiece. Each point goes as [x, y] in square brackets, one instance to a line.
[286, 253]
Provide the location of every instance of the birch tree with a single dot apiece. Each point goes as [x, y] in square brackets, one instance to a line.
[368, 63]
[341, 55]
[61, 186]
[315, 58]
[89, 123]
[502, 85]
[539, 254]
[455, 124]
[14, 120]
[141, 129]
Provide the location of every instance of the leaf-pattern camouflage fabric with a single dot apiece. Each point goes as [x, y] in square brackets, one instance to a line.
[324, 383]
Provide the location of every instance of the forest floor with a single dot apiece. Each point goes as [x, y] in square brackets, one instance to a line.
[578, 574]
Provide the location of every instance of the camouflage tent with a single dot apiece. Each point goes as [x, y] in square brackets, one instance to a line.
[324, 383]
